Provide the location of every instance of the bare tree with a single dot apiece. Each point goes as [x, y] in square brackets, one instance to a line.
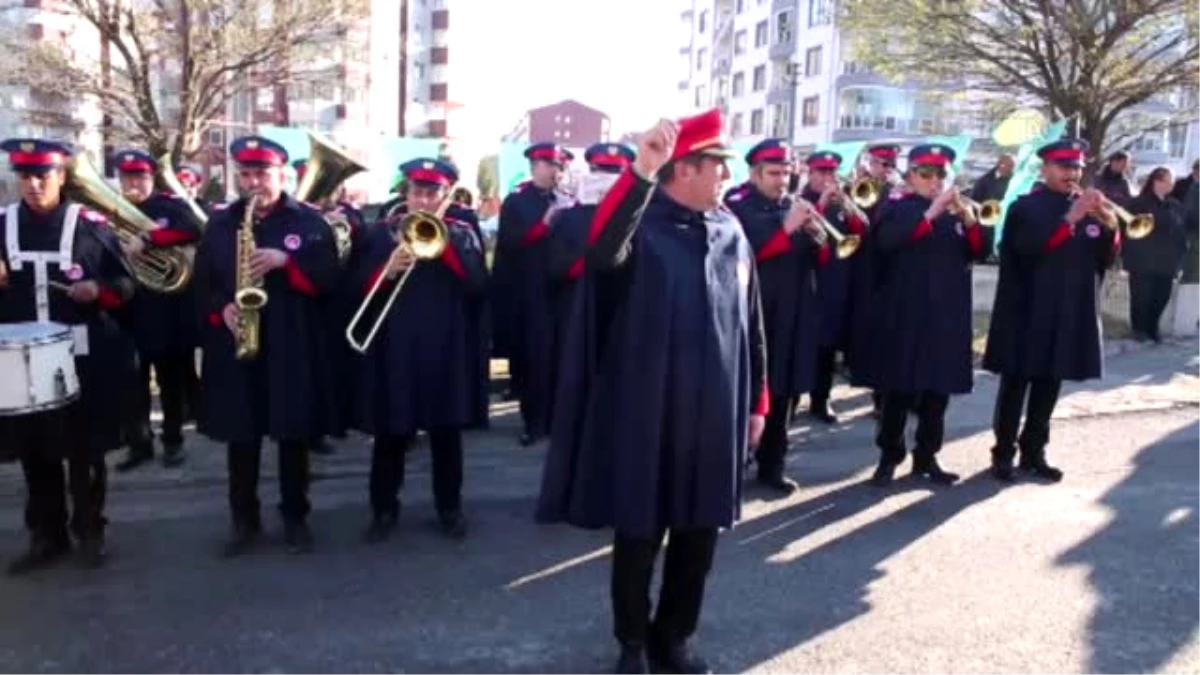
[165, 70]
[1095, 60]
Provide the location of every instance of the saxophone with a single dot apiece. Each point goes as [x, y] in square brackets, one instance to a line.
[249, 295]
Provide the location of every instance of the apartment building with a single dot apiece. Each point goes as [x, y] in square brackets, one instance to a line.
[781, 68]
[567, 122]
[26, 111]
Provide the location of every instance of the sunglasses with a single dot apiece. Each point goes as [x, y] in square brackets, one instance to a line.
[884, 163]
[928, 173]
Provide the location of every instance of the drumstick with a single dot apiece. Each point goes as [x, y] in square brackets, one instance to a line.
[65, 288]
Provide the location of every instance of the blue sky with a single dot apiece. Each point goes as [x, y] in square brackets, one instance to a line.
[620, 56]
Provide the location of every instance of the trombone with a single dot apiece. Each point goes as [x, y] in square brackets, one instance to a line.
[425, 236]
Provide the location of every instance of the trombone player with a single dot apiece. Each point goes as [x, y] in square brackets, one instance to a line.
[265, 243]
[1045, 327]
[785, 236]
[420, 371]
[925, 241]
[162, 323]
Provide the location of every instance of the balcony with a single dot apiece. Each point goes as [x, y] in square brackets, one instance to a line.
[781, 5]
[439, 56]
[784, 46]
[783, 93]
[859, 127]
[440, 19]
[722, 66]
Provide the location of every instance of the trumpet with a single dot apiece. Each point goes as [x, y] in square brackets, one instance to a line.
[986, 214]
[864, 194]
[1136, 226]
[425, 236]
[249, 295]
[844, 244]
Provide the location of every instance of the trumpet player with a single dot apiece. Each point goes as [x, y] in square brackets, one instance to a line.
[282, 390]
[925, 242]
[45, 240]
[1044, 326]
[786, 241]
[833, 279]
[420, 371]
[163, 324]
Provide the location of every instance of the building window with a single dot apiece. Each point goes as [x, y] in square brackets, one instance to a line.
[741, 6]
[812, 111]
[780, 117]
[735, 128]
[701, 57]
[739, 84]
[701, 97]
[762, 33]
[756, 122]
[740, 40]
[812, 61]
[783, 27]
[820, 12]
[702, 22]
[1177, 140]
[567, 119]
[760, 78]
[216, 137]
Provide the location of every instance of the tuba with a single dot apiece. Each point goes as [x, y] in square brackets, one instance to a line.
[248, 294]
[167, 181]
[425, 235]
[166, 270]
[328, 168]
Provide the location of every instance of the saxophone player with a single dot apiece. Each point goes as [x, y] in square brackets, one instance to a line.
[281, 388]
[161, 322]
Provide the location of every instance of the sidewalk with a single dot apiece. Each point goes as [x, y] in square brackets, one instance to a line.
[1138, 377]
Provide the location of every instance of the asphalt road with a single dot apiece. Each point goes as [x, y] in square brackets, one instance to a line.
[1097, 574]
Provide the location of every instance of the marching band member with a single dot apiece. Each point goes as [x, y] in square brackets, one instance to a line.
[190, 176]
[881, 162]
[163, 324]
[281, 392]
[46, 238]
[924, 245]
[784, 239]
[652, 438]
[191, 179]
[521, 313]
[569, 229]
[833, 279]
[421, 371]
[1044, 326]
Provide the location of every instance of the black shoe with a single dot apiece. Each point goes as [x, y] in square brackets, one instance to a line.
[677, 658]
[632, 660]
[380, 528]
[929, 468]
[1038, 468]
[92, 551]
[821, 414]
[173, 455]
[297, 536]
[138, 455]
[780, 484]
[245, 536]
[884, 474]
[453, 524]
[42, 553]
[527, 439]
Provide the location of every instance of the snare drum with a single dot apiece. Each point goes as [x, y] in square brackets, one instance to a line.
[37, 362]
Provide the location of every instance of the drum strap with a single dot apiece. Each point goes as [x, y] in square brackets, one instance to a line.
[63, 257]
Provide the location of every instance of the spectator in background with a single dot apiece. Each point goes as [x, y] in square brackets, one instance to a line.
[1191, 227]
[994, 183]
[1153, 261]
[1184, 184]
[1112, 179]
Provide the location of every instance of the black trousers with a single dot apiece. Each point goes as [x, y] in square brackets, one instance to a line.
[826, 362]
[685, 572]
[772, 449]
[387, 471]
[1148, 297]
[1010, 401]
[244, 460]
[43, 442]
[931, 424]
[171, 374]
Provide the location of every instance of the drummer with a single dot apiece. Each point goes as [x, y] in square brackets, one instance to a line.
[61, 263]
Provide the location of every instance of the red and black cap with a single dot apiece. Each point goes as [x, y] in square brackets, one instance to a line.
[608, 157]
[702, 135]
[1067, 152]
[825, 159]
[189, 175]
[770, 151]
[429, 171]
[931, 154]
[258, 151]
[34, 155]
[300, 165]
[887, 152]
[135, 161]
[549, 152]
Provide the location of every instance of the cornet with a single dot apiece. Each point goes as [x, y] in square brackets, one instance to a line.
[986, 214]
[844, 244]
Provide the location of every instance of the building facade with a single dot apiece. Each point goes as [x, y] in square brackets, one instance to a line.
[568, 122]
